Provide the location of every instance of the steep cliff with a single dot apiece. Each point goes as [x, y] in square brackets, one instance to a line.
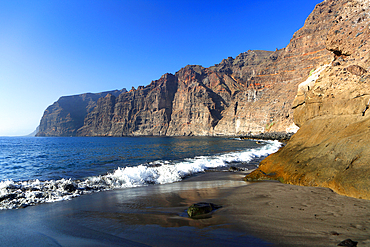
[252, 93]
[145, 111]
[66, 116]
[332, 110]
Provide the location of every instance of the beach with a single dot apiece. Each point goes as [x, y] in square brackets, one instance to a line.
[290, 215]
[153, 215]
[252, 214]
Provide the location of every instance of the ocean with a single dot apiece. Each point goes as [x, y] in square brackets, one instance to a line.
[36, 170]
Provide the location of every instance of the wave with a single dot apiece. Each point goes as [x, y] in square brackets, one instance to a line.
[25, 193]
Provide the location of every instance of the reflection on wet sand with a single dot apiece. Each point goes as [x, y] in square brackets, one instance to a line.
[165, 205]
[153, 215]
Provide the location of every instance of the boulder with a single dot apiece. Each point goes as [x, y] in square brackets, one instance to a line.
[348, 243]
[201, 209]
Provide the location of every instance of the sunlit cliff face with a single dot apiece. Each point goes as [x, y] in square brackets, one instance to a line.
[330, 149]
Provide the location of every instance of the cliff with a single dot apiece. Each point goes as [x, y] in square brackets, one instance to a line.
[66, 116]
[251, 93]
[332, 110]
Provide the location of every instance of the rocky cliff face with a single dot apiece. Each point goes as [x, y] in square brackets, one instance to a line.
[332, 111]
[66, 116]
[252, 93]
[145, 111]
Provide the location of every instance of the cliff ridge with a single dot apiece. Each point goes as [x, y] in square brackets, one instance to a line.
[332, 110]
[251, 93]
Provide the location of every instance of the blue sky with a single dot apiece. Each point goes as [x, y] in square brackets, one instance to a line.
[54, 48]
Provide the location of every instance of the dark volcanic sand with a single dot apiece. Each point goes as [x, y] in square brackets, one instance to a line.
[285, 215]
[144, 216]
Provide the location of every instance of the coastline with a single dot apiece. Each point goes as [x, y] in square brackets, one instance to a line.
[153, 215]
[279, 136]
[252, 214]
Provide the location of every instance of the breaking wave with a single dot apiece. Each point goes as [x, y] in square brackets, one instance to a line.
[25, 193]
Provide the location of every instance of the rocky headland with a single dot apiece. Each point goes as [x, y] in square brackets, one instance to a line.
[331, 108]
[319, 82]
[67, 115]
[250, 94]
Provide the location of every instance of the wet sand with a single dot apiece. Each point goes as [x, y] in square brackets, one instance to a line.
[144, 216]
[290, 215]
[258, 214]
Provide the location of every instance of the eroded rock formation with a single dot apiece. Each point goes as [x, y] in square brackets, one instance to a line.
[252, 93]
[66, 116]
[331, 147]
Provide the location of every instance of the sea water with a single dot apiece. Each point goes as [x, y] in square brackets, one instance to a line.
[45, 169]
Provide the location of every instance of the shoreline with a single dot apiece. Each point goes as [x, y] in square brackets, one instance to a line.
[279, 136]
[155, 168]
[153, 215]
[252, 214]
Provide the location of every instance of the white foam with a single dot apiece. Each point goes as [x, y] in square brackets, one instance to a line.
[20, 194]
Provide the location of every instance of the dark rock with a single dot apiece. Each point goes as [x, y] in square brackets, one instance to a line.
[336, 63]
[154, 165]
[39, 195]
[280, 136]
[356, 70]
[201, 208]
[348, 243]
[69, 188]
[8, 197]
[233, 169]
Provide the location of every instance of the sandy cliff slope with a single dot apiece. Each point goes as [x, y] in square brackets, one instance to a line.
[331, 148]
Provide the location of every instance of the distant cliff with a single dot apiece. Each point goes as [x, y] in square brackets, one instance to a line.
[66, 116]
[331, 148]
[251, 93]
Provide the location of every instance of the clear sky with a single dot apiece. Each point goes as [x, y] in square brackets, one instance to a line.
[52, 48]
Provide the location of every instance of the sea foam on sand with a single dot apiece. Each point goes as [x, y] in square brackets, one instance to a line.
[24, 193]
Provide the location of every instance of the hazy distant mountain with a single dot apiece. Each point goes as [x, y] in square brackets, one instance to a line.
[34, 133]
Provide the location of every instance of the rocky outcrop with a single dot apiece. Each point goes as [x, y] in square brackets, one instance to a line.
[145, 111]
[201, 210]
[331, 147]
[252, 93]
[66, 116]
